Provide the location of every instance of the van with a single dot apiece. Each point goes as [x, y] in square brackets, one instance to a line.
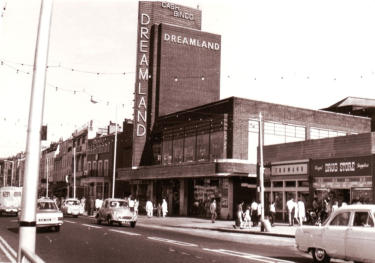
[10, 200]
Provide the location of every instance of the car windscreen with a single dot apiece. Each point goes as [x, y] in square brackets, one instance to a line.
[46, 205]
[73, 202]
[118, 204]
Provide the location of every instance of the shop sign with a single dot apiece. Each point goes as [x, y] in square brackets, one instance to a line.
[289, 169]
[354, 166]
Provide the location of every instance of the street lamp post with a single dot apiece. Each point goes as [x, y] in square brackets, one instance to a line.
[114, 158]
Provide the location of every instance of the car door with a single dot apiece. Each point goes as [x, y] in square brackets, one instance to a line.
[334, 233]
[361, 238]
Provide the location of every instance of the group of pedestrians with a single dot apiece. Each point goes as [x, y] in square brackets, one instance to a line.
[296, 211]
[250, 215]
[162, 209]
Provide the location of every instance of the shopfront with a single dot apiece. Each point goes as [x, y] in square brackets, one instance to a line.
[288, 180]
[346, 180]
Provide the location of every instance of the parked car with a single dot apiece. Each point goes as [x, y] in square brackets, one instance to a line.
[10, 200]
[349, 234]
[48, 215]
[116, 210]
[72, 206]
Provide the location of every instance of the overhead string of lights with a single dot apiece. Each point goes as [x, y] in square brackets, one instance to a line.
[19, 68]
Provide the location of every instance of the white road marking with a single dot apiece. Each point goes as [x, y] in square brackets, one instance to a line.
[92, 226]
[124, 232]
[8, 247]
[3, 243]
[68, 221]
[248, 256]
[173, 242]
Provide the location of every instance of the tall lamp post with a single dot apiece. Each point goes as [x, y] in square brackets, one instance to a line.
[114, 158]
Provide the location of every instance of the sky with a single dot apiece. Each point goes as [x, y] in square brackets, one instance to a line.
[307, 54]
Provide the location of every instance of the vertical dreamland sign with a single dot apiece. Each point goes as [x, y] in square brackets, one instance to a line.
[149, 14]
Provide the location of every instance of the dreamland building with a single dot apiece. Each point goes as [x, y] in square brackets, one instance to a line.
[187, 146]
[190, 147]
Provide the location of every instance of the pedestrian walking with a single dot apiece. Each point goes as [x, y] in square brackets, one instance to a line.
[272, 212]
[164, 208]
[149, 208]
[301, 211]
[296, 213]
[213, 210]
[290, 205]
[254, 213]
[159, 210]
[247, 218]
[239, 214]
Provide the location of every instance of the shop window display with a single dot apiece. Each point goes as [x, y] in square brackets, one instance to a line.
[204, 191]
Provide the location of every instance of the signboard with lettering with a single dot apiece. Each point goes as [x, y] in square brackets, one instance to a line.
[351, 166]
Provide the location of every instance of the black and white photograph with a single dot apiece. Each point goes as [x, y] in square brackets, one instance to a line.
[197, 131]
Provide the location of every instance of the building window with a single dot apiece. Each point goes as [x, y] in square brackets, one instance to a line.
[318, 133]
[94, 169]
[89, 168]
[105, 167]
[217, 145]
[203, 146]
[178, 150]
[290, 184]
[189, 154]
[100, 168]
[167, 152]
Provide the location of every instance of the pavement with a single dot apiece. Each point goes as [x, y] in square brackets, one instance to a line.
[279, 229]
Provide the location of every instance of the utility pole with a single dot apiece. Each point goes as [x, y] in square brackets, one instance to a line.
[74, 172]
[47, 176]
[114, 158]
[27, 222]
[261, 169]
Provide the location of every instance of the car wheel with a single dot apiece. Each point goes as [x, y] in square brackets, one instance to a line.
[109, 220]
[320, 255]
[132, 224]
[57, 228]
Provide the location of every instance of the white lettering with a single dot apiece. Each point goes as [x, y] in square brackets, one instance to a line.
[142, 103]
[143, 46]
[139, 89]
[167, 37]
[144, 60]
[141, 129]
[143, 75]
[140, 116]
[145, 19]
[144, 32]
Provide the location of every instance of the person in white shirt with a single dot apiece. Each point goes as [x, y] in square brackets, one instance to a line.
[149, 208]
[272, 212]
[290, 206]
[164, 208]
[301, 211]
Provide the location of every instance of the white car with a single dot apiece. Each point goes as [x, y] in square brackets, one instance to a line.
[118, 211]
[48, 215]
[72, 206]
[348, 234]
